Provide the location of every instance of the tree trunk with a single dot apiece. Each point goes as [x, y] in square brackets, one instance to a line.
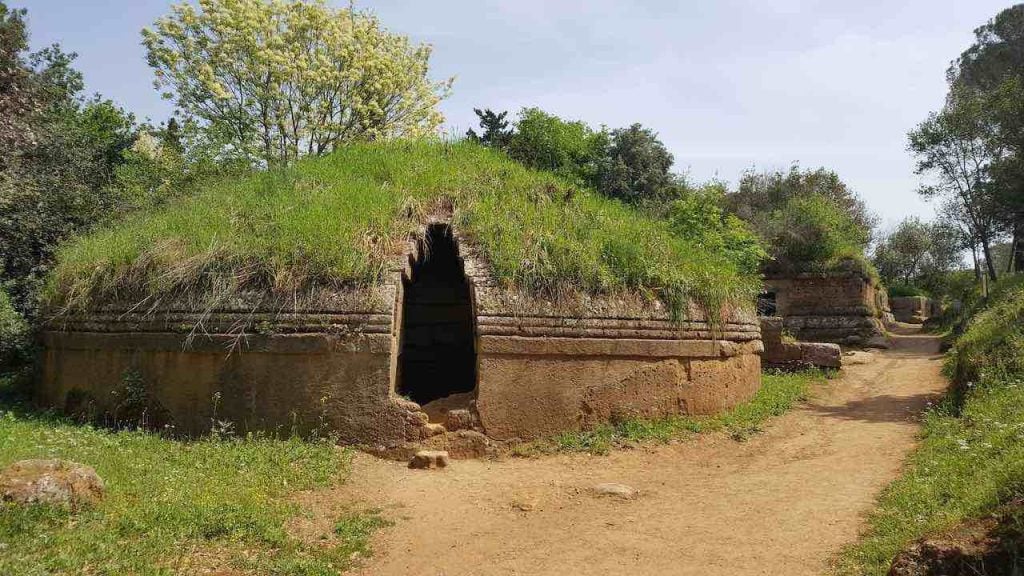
[989, 264]
[1018, 247]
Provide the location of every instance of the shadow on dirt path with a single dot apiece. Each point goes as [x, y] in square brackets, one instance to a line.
[783, 502]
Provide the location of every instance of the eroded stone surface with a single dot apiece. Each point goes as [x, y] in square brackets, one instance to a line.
[841, 307]
[820, 354]
[426, 459]
[781, 352]
[55, 482]
[613, 489]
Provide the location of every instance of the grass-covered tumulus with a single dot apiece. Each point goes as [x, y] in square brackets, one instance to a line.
[341, 220]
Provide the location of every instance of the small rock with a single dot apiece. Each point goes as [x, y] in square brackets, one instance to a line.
[617, 490]
[459, 419]
[56, 482]
[425, 459]
[524, 505]
[855, 357]
[821, 354]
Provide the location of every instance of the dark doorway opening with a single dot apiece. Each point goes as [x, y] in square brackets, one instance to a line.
[767, 304]
[438, 355]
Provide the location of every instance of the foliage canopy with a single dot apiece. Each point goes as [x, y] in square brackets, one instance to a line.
[810, 220]
[288, 78]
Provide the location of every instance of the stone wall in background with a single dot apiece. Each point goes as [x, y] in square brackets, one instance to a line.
[844, 308]
[914, 309]
[780, 351]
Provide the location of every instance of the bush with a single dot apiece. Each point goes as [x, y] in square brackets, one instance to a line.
[13, 333]
[810, 220]
[991, 348]
[697, 216]
[901, 290]
[570, 149]
[812, 232]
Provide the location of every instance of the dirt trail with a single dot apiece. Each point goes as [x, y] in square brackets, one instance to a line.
[782, 503]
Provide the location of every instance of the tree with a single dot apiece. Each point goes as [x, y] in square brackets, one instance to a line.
[760, 194]
[495, 131]
[919, 255]
[953, 146]
[900, 254]
[991, 70]
[18, 99]
[281, 79]
[637, 167]
[56, 182]
[809, 219]
[569, 148]
[812, 232]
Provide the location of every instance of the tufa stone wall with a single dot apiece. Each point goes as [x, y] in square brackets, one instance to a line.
[914, 309]
[779, 352]
[844, 308]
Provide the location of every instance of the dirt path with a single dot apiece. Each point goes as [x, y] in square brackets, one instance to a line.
[782, 503]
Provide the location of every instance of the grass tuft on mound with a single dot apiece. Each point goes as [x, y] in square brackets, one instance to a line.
[339, 221]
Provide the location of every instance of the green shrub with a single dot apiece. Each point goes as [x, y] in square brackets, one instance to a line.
[697, 216]
[991, 348]
[812, 229]
[901, 290]
[570, 149]
[13, 332]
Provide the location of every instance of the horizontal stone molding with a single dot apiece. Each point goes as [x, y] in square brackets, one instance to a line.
[613, 347]
[176, 342]
[218, 322]
[612, 328]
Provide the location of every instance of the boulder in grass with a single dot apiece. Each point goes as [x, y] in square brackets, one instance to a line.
[54, 482]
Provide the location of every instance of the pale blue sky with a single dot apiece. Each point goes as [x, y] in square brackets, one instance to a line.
[728, 85]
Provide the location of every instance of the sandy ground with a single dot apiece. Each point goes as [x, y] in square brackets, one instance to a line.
[783, 502]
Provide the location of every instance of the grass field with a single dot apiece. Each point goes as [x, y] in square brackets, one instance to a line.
[971, 459]
[341, 219]
[173, 507]
[779, 392]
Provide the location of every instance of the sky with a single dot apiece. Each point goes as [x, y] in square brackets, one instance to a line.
[729, 85]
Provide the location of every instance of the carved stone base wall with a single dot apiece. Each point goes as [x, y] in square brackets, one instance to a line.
[576, 374]
[277, 383]
[913, 309]
[844, 308]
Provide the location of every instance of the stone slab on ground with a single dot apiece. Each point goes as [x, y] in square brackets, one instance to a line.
[426, 459]
[55, 482]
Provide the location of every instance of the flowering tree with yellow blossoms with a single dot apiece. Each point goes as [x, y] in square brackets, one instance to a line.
[278, 79]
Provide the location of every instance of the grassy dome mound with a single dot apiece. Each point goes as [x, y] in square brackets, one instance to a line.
[341, 220]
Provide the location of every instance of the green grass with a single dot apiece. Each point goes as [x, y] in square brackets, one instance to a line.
[341, 220]
[971, 458]
[779, 392]
[173, 507]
